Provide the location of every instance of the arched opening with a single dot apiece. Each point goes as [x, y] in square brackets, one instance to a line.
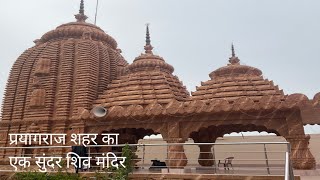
[210, 155]
[244, 134]
[151, 156]
[265, 158]
[312, 129]
[153, 136]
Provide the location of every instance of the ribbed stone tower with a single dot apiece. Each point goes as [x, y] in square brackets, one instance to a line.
[237, 81]
[50, 83]
[148, 80]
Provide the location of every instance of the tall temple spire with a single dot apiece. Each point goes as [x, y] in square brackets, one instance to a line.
[81, 10]
[233, 59]
[232, 49]
[148, 41]
[148, 47]
[81, 17]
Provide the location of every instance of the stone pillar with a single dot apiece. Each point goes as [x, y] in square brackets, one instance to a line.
[205, 135]
[176, 156]
[205, 156]
[300, 155]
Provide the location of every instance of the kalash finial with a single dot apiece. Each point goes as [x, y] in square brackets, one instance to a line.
[81, 17]
[148, 46]
[233, 59]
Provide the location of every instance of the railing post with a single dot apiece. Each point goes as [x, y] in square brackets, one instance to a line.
[288, 167]
[168, 167]
[89, 156]
[143, 153]
[291, 174]
[286, 171]
[214, 159]
[266, 156]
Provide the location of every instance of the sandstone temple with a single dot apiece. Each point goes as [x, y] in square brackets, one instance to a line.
[54, 85]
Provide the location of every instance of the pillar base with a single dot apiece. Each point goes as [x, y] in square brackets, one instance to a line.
[300, 155]
[205, 156]
[176, 156]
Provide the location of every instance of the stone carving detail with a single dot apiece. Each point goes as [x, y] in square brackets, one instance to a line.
[86, 35]
[43, 66]
[83, 114]
[38, 98]
[36, 81]
[33, 128]
[316, 100]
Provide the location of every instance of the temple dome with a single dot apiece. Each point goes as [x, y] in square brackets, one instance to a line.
[79, 29]
[233, 70]
[65, 71]
[149, 61]
[235, 81]
[148, 80]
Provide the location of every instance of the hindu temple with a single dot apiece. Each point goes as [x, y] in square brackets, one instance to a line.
[54, 85]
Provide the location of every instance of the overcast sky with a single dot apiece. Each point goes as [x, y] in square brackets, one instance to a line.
[280, 37]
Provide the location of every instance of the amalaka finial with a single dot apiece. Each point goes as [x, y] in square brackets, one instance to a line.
[233, 59]
[81, 17]
[148, 46]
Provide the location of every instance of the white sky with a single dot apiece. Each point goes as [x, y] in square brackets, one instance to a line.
[279, 37]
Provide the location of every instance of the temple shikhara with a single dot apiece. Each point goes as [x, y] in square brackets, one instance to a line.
[54, 85]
